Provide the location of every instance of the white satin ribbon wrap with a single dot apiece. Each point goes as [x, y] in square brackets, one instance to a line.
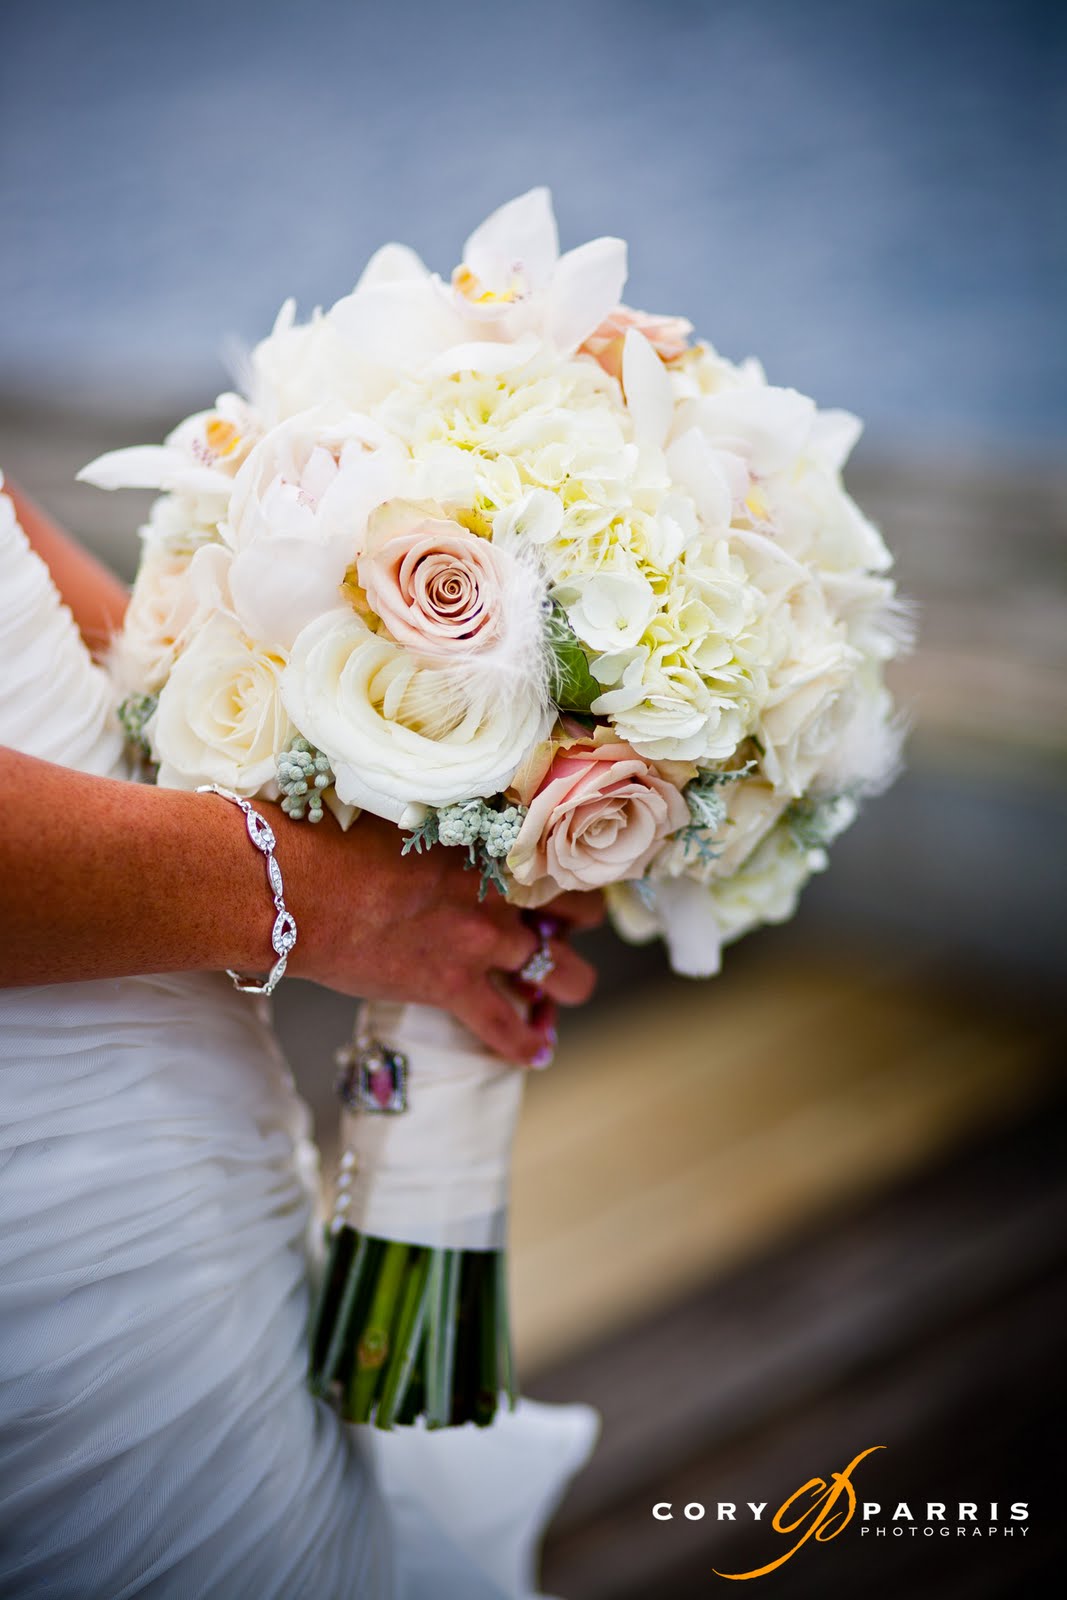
[438, 1173]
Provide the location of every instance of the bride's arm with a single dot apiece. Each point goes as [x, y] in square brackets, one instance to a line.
[95, 596]
[103, 879]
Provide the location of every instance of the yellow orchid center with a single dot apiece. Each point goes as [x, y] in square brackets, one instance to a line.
[470, 287]
[756, 504]
[222, 437]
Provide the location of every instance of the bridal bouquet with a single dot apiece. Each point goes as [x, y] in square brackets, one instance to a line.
[542, 579]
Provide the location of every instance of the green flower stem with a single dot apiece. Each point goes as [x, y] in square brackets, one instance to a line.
[352, 1306]
[407, 1337]
[441, 1336]
[414, 1403]
[340, 1251]
[467, 1366]
[505, 1354]
[405, 1331]
[485, 1401]
[373, 1346]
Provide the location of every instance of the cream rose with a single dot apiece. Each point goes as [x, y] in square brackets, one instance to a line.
[806, 713]
[173, 593]
[220, 717]
[437, 587]
[400, 732]
[599, 816]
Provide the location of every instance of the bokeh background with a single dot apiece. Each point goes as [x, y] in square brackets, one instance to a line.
[819, 1203]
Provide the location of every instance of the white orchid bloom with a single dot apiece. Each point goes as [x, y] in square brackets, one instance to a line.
[698, 468]
[200, 457]
[767, 428]
[513, 288]
[513, 278]
[647, 387]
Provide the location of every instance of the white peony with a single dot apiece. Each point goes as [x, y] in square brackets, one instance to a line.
[401, 732]
[220, 717]
[298, 514]
[303, 365]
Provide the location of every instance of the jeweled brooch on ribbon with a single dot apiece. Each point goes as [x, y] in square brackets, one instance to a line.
[373, 1078]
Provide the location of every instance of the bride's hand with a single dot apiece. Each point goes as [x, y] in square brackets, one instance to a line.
[411, 928]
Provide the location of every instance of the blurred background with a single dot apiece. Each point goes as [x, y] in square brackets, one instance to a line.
[817, 1204]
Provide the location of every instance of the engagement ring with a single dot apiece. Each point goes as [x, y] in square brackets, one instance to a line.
[540, 964]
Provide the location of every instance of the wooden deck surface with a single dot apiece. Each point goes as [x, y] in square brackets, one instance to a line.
[691, 1126]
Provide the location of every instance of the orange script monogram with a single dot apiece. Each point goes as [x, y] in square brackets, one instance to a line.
[822, 1521]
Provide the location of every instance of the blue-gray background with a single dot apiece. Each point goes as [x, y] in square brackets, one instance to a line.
[864, 192]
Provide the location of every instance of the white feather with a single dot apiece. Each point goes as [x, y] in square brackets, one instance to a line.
[867, 756]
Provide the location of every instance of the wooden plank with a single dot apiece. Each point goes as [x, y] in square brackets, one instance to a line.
[697, 1125]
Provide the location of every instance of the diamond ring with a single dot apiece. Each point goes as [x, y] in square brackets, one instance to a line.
[540, 964]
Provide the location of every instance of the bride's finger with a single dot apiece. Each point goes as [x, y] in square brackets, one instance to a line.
[513, 945]
[571, 980]
[503, 1027]
[578, 911]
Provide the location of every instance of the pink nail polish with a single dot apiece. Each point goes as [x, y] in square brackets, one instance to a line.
[543, 1058]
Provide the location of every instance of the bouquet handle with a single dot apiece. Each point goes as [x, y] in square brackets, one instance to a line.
[412, 1318]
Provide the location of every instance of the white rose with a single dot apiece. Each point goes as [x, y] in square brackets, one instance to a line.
[220, 717]
[752, 809]
[173, 593]
[806, 712]
[812, 667]
[295, 524]
[401, 732]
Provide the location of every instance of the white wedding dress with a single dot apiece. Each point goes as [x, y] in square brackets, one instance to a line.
[157, 1186]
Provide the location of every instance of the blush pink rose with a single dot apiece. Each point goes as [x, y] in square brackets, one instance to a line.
[668, 336]
[436, 586]
[600, 814]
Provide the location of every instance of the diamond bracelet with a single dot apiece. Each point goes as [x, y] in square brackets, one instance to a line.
[283, 934]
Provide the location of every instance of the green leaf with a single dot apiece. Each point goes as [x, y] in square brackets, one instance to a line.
[571, 684]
